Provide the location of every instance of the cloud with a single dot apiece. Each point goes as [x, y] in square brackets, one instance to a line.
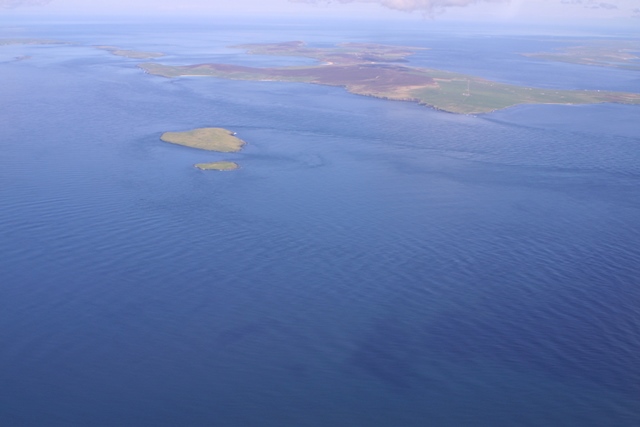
[592, 4]
[12, 4]
[428, 7]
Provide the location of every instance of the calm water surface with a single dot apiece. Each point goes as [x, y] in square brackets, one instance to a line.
[372, 263]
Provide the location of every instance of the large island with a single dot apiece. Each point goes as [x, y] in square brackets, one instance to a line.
[381, 71]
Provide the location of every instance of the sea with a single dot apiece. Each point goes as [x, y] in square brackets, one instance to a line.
[372, 263]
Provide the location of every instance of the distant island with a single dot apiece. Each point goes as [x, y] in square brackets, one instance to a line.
[380, 71]
[8, 42]
[133, 54]
[622, 54]
[210, 139]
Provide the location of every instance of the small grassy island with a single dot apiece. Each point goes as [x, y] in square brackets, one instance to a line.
[379, 71]
[217, 166]
[211, 139]
[133, 54]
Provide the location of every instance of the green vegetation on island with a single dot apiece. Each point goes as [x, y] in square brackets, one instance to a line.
[211, 139]
[623, 54]
[374, 70]
[217, 166]
[133, 54]
[459, 93]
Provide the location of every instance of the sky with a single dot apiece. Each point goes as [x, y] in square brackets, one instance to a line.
[465, 10]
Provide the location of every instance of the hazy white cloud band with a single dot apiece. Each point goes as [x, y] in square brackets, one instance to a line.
[10, 4]
[425, 6]
[472, 9]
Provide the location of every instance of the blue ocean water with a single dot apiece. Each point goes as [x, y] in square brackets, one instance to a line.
[372, 262]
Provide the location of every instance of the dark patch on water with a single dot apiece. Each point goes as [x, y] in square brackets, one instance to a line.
[392, 354]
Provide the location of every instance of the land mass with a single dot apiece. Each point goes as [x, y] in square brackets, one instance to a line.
[217, 166]
[211, 139]
[133, 54]
[623, 54]
[380, 71]
[7, 42]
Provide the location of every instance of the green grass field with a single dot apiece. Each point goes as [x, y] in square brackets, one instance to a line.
[211, 139]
